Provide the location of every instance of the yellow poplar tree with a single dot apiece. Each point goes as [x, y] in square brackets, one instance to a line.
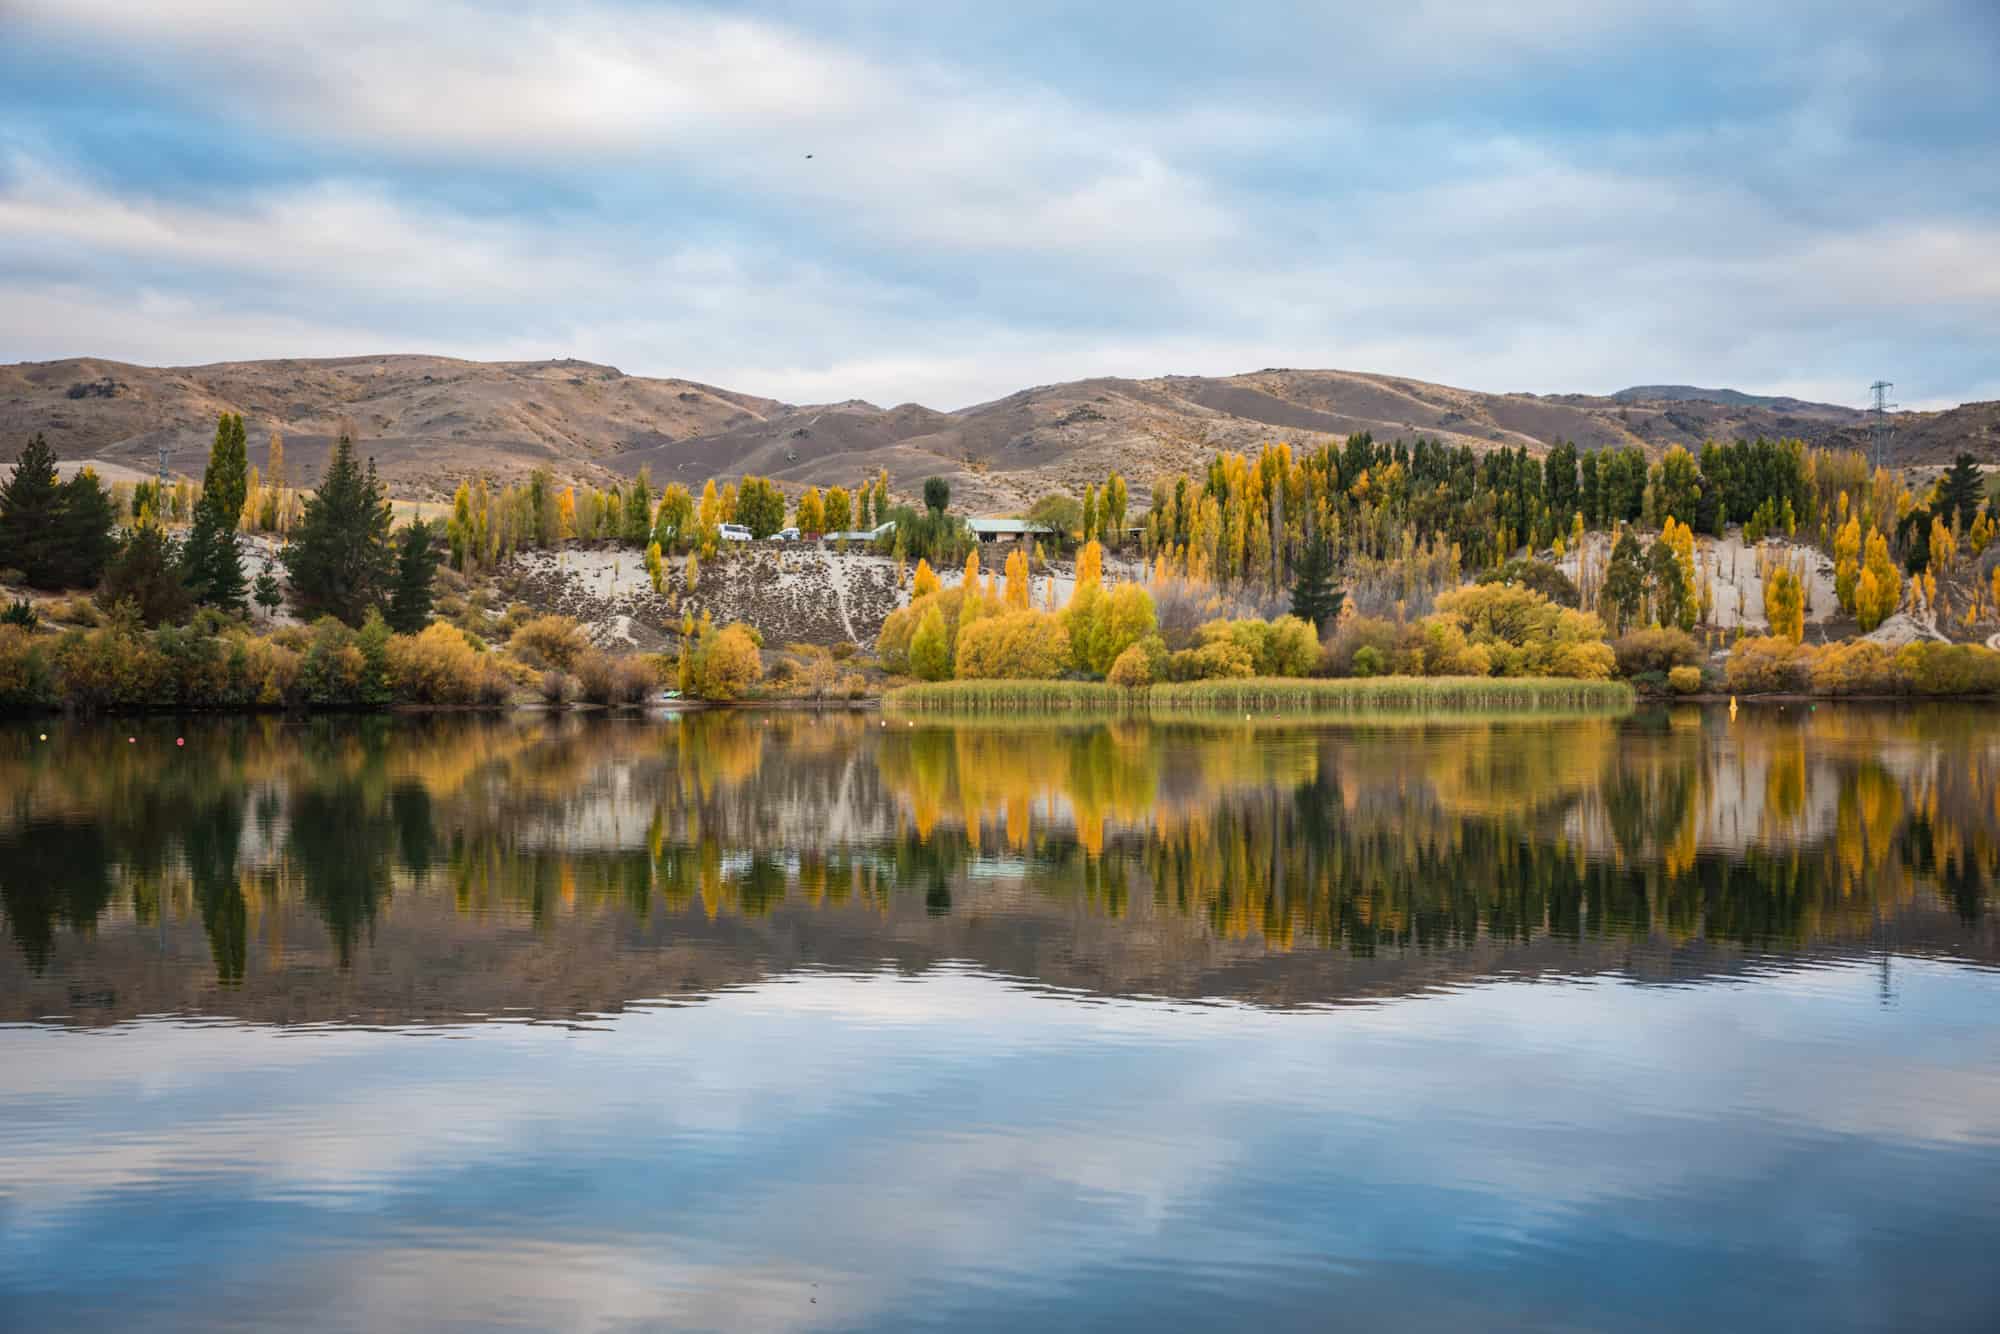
[925, 582]
[1879, 590]
[1847, 560]
[1017, 580]
[810, 517]
[1090, 564]
[1784, 599]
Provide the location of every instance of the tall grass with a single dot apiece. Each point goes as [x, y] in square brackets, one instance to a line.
[1010, 697]
[1268, 696]
[1393, 694]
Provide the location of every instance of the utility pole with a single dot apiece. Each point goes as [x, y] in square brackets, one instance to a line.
[1879, 429]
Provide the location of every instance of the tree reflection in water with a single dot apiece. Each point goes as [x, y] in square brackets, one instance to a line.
[1773, 831]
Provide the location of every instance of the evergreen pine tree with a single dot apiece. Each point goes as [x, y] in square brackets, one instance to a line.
[210, 562]
[416, 566]
[1961, 490]
[146, 575]
[83, 542]
[264, 591]
[1314, 598]
[339, 557]
[29, 504]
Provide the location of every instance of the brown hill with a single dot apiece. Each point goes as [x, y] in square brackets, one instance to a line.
[429, 421]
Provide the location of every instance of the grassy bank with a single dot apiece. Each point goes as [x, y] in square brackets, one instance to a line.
[1264, 697]
[1002, 698]
[1393, 695]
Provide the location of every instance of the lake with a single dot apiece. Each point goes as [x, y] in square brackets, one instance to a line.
[785, 1021]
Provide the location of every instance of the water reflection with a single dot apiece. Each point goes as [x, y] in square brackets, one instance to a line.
[1198, 851]
[822, 1023]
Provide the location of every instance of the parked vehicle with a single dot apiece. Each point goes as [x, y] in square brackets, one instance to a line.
[786, 535]
[734, 532]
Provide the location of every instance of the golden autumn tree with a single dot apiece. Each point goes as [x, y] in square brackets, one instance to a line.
[1847, 559]
[837, 509]
[1017, 580]
[810, 516]
[1879, 589]
[1784, 599]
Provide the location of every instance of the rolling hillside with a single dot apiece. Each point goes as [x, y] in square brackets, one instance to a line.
[429, 421]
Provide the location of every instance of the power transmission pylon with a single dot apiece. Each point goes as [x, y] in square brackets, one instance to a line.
[1879, 429]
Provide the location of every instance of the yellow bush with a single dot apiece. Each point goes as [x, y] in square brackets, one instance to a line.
[1019, 646]
[1287, 646]
[25, 679]
[1103, 624]
[1855, 668]
[438, 666]
[1215, 661]
[1684, 680]
[930, 647]
[1771, 663]
[1132, 670]
[726, 663]
[558, 640]
[1521, 633]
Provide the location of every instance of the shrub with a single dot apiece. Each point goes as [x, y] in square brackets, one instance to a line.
[26, 679]
[21, 614]
[557, 640]
[1103, 624]
[603, 678]
[1948, 669]
[557, 687]
[1017, 646]
[1538, 575]
[1857, 667]
[1771, 663]
[440, 666]
[1286, 646]
[1219, 660]
[1369, 661]
[1521, 633]
[893, 642]
[1354, 634]
[109, 668]
[1655, 650]
[1684, 680]
[1132, 670]
[726, 663]
[930, 650]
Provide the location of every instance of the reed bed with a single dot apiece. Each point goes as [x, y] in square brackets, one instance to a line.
[1273, 696]
[1445, 695]
[1011, 698]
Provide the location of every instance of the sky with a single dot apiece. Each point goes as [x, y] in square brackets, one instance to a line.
[945, 202]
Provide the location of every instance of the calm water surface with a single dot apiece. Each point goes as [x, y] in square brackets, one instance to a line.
[793, 1022]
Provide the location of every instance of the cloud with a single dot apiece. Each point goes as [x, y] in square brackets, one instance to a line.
[1549, 196]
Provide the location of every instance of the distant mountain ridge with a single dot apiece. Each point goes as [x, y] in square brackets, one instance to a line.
[1734, 398]
[431, 421]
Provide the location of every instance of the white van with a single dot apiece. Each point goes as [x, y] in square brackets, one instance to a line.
[734, 532]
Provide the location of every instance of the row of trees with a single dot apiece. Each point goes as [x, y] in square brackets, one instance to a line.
[342, 558]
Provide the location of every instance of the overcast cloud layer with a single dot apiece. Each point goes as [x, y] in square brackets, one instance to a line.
[1546, 195]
